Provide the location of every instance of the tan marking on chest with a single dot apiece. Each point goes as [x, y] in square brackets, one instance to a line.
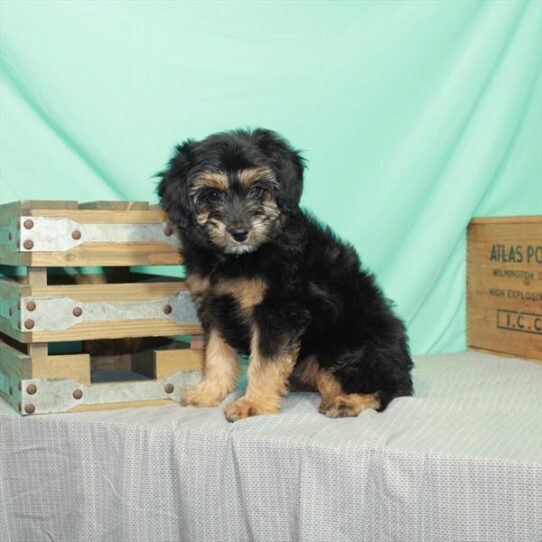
[196, 284]
[247, 292]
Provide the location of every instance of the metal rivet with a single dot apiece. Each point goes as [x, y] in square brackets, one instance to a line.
[28, 244]
[18, 305]
[76, 234]
[10, 390]
[18, 243]
[77, 394]
[170, 388]
[28, 224]
[10, 311]
[19, 224]
[10, 236]
[19, 406]
[30, 408]
[168, 230]
[167, 309]
[29, 324]
[31, 306]
[19, 386]
[77, 311]
[31, 389]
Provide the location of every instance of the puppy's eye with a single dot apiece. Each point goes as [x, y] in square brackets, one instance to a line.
[211, 195]
[256, 190]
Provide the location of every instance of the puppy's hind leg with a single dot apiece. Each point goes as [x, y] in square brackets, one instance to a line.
[337, 404]
[221, 373]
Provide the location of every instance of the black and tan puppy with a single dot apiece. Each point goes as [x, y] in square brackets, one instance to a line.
[268, 280]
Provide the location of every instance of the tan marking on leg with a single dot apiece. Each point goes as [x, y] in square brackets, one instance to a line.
[267, 383]
[250, 175]
[304, 374]
[247, 292]
[337, 404]
[221, 373]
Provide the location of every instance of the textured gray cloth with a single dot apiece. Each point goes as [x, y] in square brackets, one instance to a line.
[461, 462]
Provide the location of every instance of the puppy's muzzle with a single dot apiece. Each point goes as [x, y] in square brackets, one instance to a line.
[238, 232]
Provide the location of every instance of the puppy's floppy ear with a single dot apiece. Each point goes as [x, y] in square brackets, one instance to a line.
[173, 188]
[287, 163]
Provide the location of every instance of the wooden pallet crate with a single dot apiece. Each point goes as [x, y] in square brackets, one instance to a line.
[123, 308]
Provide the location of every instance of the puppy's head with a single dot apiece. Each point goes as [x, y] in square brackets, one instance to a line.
[231, 189]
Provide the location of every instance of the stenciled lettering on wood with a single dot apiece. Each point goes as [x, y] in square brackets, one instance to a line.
[505, 285]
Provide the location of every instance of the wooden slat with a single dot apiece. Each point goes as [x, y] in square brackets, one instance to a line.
[97, 254]
[14, 363]
[38, 351]
[37, 277]
[98, 292]
[100, 216]
[113, 330]
[10, 293]
[5, 327]
[47, 204]
[12, 289]
[105, 255]
[16, 366]
[168, 362]
[71, 366]
[116, 205]
[8, 257]
[23, 207]
[9, 212]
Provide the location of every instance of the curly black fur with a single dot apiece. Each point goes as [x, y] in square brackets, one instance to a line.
[318, 294]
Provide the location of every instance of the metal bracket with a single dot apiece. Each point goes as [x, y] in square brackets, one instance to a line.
[59, 395]
[51, 234]
[54, 313]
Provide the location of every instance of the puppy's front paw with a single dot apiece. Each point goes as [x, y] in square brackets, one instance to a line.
[245, 407]
[203, 395]
[347, 405]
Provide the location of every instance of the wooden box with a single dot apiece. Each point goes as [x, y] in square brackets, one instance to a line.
[116, 320]
[504, 285]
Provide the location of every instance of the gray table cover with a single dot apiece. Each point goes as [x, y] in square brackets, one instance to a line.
[461, 461]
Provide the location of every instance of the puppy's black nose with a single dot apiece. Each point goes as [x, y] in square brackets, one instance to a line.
[239, 234]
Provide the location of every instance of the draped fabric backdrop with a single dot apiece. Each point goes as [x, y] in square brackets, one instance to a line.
[414, 116]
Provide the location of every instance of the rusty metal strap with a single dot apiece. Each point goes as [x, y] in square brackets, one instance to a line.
[60, 395]
[54, 313]
[51, 234]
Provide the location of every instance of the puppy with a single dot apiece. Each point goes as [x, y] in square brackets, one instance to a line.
[269, 280]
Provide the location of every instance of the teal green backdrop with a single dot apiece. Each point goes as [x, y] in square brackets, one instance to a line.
[414, 116]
